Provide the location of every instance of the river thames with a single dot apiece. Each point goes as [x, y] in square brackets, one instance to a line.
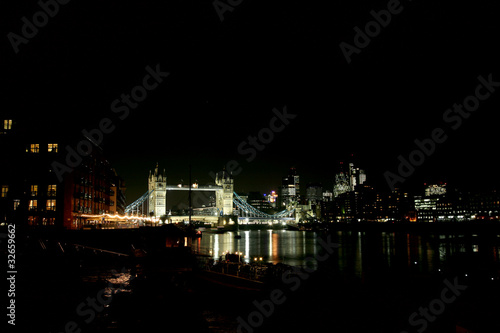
[373, 281]
[358, 252]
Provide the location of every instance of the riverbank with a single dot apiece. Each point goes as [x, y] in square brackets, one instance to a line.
[105, 280]
[471, 226]
[157, 285]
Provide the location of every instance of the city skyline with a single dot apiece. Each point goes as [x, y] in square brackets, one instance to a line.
[359, 141]
[251, 175]
[327, 182]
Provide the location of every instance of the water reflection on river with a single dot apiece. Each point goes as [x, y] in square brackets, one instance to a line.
[358, 251]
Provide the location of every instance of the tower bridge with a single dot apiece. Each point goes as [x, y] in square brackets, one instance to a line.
[229, 208]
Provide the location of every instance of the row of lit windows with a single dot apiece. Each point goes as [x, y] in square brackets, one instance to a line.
[35, 148]
[37, 220]
[33, 205]
[88, 196]
[89, 210]
[486, 203]
[96, 201]
[51, 190]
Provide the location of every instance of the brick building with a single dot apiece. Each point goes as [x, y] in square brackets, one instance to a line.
[34, 193]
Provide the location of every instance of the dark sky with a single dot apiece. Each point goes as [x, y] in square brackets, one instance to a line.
[227, 77]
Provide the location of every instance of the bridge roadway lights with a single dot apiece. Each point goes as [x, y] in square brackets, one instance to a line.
[213, 220]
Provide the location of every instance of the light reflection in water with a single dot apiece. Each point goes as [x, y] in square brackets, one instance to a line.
[275, 242]
[215, 245]
[359, 252]
[118, 282]
[270, 235]
[247, 245]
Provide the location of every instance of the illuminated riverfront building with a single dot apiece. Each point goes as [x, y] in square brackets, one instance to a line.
[40, 189]
[92, 189]
[440, 204]
[483, 206]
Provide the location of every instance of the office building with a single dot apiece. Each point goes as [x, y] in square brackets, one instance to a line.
[290, 188]
[314, 193]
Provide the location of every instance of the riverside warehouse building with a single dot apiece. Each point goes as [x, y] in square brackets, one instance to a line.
[91, 195]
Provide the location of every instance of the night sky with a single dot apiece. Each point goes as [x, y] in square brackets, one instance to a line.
[226, 77]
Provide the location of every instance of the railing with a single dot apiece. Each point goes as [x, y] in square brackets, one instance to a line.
[252, 271]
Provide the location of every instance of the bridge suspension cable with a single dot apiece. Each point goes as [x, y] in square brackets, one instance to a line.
[244, 207]
[249, 209]
[134, 205]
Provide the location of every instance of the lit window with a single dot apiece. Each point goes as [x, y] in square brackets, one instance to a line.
[33, 204]
[52, 148]
[34, 190]
[5, 190]
[51, 190]
[51, 205]
[34, 148]
[7, 124]
[16, 203]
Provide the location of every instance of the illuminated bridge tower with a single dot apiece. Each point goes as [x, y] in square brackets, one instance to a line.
[157, 186]
[224, 196]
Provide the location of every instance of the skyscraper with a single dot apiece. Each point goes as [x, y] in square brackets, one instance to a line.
[314, 193]
[347, 180]
[357, 176]
[290, 188]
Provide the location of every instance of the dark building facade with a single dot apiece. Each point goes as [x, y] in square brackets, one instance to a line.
[395, 205]
[42, 186]
[357, 205]
[314, 193]
[260, 202]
